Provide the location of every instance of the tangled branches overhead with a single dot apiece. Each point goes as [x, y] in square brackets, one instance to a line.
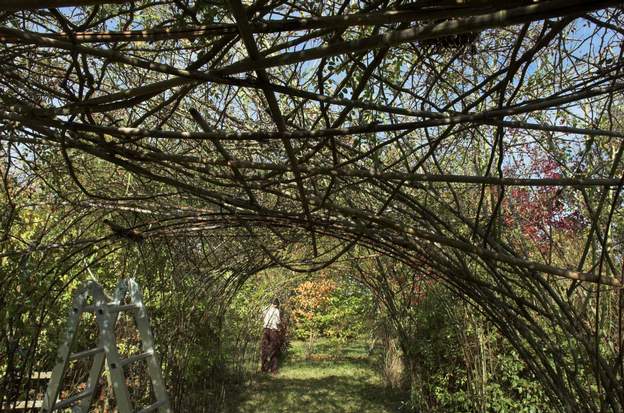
[476, 139]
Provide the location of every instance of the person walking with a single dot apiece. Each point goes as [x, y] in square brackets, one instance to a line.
[271, 337]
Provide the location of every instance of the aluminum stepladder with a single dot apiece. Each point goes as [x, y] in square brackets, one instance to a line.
[106, 313]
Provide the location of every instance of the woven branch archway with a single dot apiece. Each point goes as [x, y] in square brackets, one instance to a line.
[478, 140]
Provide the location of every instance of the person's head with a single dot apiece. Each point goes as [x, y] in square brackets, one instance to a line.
[275, 302]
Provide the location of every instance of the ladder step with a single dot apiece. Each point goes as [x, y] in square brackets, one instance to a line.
[73, 399]
[137, 357]
[86, 353]
[153, 407]
[113, 307]
[124, 307]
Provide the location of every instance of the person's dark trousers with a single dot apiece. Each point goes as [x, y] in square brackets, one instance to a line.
[270, 348]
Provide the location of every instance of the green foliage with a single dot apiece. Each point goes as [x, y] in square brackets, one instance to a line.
[347, 317]
[331, 309]
[458, 363]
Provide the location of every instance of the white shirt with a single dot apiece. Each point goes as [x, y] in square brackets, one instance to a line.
[271, 317]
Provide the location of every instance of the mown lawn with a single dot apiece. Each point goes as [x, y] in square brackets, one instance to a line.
[332, 380]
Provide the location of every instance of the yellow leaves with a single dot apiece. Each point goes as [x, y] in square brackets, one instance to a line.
[311, 296]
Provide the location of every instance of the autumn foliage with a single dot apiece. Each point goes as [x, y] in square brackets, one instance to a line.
[539, 211]
[311, 297]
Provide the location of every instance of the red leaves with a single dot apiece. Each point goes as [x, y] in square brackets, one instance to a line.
[539, 211]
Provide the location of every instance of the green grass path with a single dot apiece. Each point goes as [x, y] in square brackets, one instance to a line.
[331, 381]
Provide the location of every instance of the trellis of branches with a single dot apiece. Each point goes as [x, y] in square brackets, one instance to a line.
[421, 130]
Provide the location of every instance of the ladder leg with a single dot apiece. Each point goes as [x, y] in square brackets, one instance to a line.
[106, 323]
[153, 365]
[97, 366]
[92, 382]
[62, 359]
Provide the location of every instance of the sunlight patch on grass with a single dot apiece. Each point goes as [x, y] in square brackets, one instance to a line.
[340, 379]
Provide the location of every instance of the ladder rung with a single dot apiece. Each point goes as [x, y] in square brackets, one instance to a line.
[124, 307]
[113, 307]
[137, 357]
[153, 407]
[73, 399]
[86, 353]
